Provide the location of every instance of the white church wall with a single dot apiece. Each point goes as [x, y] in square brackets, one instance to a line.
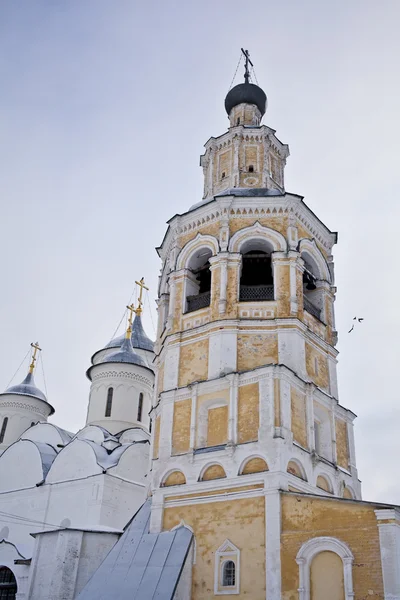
[65, 560]
[128, 382]
[8, 555]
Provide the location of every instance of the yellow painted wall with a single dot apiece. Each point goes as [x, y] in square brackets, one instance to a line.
[276, 221]
[326, 577]
[217, 426]
[215, 288]
[156, 436]
[240, 521]
[232, 292]
[342, 447]
[351, 522]
[319, 375]
[193, 362]
[181, 426]
[256, 350]
[299, 418]
[206, 229]
[213, 472]
[175, 478]
[282, 275]
[248, 413]
[176, 324]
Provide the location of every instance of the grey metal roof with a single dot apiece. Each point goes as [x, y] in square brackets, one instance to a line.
[28, 388]
[250, 192]
[141, 565]
[139, 338]
[125, 354]
[247, 93]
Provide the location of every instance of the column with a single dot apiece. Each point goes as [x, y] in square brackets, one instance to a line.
[233, 407]
[193, 412]
[273, 544]
[389, 541]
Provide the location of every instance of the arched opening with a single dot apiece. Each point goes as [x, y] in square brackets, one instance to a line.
[294, 468]
[3, 429]
[198, 283]
[256, 280]
[8, 584]
[110, 393]
[312, 296]
[174, 478]
[324, 484]
[140, 407]
[228, 573]
[251, 168]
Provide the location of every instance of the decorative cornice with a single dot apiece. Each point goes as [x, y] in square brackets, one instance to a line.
[122, 375]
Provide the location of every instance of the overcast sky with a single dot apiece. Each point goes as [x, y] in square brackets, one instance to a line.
[104, 110]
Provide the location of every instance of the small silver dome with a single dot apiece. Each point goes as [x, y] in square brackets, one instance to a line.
[27, 388]
[125, 354]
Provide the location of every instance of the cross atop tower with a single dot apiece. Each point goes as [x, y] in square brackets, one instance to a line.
[246, 65]
[142, 287]
[36, 349]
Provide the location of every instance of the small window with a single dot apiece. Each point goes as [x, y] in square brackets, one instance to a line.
[150, 425]
[251, 169]
[140, 407]
[238, 121]
[223, 175]
[228, 573]
[3, 430]
[8, 584]
[110, 393]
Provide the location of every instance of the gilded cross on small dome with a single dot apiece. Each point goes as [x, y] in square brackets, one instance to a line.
[131, 309]
[142, 287]
[36, 349]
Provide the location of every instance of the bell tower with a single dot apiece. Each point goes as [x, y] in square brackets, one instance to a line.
[246, 399]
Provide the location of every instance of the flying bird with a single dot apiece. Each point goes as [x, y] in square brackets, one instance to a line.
[359, 319]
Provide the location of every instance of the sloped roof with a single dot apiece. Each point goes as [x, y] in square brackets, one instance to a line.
[141, 565]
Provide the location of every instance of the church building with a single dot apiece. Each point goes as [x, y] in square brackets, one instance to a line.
[217, 461]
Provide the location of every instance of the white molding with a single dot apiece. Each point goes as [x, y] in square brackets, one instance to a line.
[206, 241]
[257, 231]
[313, 547]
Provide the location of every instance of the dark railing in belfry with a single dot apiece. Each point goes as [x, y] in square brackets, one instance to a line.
[311, 308]
[254, 293]
[200, 301]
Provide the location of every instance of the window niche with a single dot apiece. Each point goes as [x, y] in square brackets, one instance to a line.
[313, 299]
[198, 281]
[3, 429]
[256, 279]
[227, 569]
[110, 393]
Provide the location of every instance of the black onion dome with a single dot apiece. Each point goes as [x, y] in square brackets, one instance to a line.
[247, 93]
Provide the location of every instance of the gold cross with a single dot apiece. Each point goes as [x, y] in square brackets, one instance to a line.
[131, 309]
[142, 287]
[36, 348]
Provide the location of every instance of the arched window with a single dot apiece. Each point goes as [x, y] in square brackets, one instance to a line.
[110, 393]
[3, 429]
[228, 573]
[140, 407]
[8, 584]
[251, 169]
[256, 281]
[312, 296]
[198, 283]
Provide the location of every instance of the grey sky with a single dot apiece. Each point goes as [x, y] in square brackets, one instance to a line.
[104, 110]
